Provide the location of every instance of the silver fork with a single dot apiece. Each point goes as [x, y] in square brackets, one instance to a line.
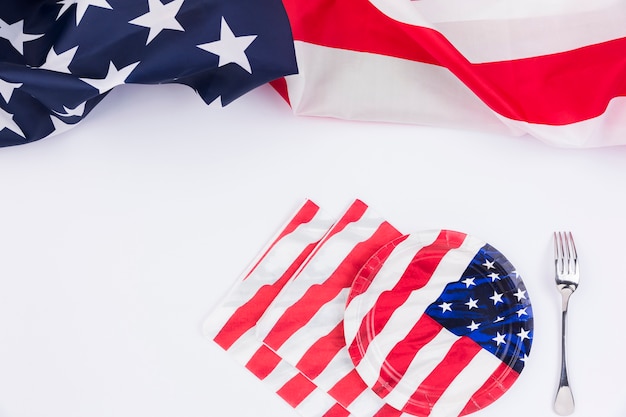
[567, 277]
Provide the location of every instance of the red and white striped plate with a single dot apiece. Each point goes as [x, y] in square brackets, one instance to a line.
[438, 323]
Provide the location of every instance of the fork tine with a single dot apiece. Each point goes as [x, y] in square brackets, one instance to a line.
[558, 251]
[572, 255]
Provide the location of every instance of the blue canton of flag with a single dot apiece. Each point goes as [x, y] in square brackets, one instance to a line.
[490, 305]
[59, 58]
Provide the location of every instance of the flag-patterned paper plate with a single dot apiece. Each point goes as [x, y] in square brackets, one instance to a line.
[438, 323]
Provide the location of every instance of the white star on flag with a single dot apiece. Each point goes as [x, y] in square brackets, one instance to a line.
[473, 326]
[497, 298]
[520, 294]
[445, 307]
[472, 303]
[81, 7]
[59, 62]
[159, 17]
[468, 282]
[523, 334]
[499, 339]
[76, 111]
[7, 89]
[230, 48]
[6, 121]
[113, 78]
[488, 264]
[14, 33]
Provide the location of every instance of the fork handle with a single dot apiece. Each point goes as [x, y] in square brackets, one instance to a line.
[564, 401]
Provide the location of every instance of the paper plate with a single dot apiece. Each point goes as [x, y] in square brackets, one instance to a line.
[438, 323]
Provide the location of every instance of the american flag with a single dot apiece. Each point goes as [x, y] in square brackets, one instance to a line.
[439, 324]
[59, 58]
[552, 71]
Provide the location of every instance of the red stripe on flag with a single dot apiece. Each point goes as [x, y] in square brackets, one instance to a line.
[263, 362]
[305, 214]
[363, 281]
[348, 388]
[246, 316]
[296, 389]
[337, 411]
[402, 354]
[435, 384]
[552, 89]
[417, 274]
[318, 295]
[317, 357]
[488, 393]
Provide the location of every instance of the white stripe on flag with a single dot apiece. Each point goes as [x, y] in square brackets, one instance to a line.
[386, 278]
[417, 93]
[608, 129]
[324, 320]
[501, 31]
[466, 383]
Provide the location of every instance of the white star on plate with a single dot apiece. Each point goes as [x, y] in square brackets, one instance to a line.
[468, 282]
[76, 111]
[499, 339]
[472, 303]
[159, 17]
[473, 326]
[489, 264]
[14, 33]
[7, 89]
[59, 62]
[113, 78]
[523, 334]
[520, 294]
[445, 307]
[7, 122]
[498, 319]
[497, 298]
[494, 276]
[521, 312]
[230, 48]
[81, 7]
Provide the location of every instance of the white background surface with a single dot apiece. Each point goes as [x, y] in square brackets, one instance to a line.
[118, 237]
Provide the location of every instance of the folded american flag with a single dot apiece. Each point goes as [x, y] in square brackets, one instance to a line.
[299, 319]
[59, 58]
[554, 72]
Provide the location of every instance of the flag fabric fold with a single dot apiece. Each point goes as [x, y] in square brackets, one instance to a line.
[59, 58]
[300, 317]
[555, 72]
